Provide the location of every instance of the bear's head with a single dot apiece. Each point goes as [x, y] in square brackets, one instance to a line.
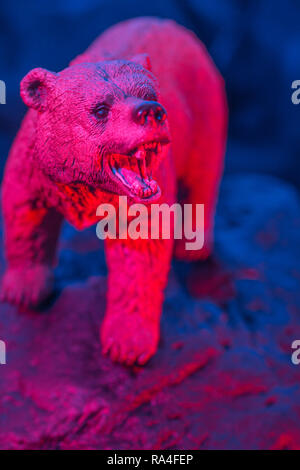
[100, 124]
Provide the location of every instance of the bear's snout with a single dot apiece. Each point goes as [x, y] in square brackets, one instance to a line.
[149, 112]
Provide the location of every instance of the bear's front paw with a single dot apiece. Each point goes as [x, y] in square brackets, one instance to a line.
[27, 287]
[129, 338]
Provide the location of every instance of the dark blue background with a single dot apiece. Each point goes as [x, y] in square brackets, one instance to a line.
[255, 44]
[247, 313]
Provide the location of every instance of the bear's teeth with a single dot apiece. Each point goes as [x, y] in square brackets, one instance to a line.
[135, 171]
[147, 192]
[142, 168]
[140, 154]
[153, 186]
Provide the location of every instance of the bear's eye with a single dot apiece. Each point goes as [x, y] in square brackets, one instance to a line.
[101, 111]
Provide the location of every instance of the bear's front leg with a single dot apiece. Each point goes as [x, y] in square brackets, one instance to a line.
[138, 271]
[31, 232]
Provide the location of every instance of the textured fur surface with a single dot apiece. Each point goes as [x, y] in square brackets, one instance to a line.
[111, 100]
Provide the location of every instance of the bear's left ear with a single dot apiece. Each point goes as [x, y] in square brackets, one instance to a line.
[36, 87]
[143, 60]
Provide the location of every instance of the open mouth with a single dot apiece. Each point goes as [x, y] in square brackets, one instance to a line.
[135, 169]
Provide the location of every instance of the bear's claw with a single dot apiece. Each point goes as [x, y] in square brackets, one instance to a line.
[27, 287]
[129, 339]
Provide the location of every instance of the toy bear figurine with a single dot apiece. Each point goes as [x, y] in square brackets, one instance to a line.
[141, 113]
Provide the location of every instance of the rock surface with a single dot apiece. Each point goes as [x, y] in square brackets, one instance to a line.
[223, 376]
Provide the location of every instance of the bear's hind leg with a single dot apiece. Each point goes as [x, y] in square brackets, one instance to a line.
[205, 166]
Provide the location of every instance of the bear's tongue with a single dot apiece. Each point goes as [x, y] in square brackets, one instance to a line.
[134, 172]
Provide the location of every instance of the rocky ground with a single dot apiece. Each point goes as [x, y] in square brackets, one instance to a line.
[223, 376]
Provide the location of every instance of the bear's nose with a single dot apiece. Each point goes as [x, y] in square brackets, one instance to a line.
[149, 111]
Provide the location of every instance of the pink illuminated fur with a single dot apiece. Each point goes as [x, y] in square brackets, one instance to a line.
[59, 167]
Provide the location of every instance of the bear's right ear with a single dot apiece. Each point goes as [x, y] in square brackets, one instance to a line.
[36, 86]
